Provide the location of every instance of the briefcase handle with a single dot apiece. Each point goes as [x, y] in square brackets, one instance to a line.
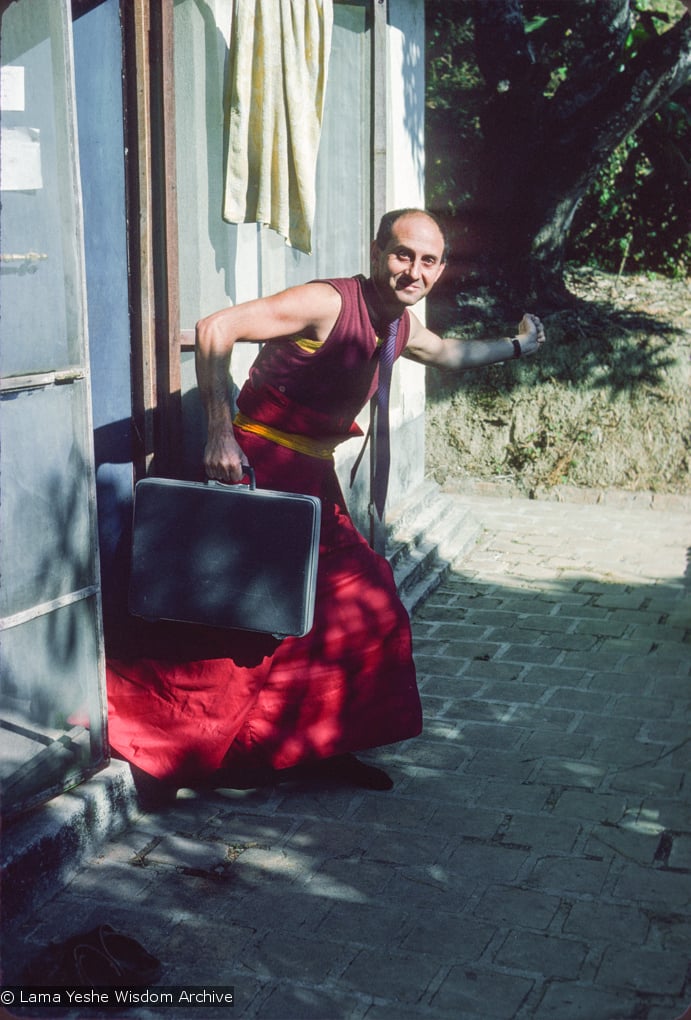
[248, 472]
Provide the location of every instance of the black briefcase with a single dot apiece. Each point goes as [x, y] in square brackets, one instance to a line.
[225, 556]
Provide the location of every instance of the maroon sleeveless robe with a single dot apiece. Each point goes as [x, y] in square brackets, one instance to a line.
[350, 683]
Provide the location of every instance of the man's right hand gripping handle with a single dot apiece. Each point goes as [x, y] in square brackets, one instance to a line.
[223, 458]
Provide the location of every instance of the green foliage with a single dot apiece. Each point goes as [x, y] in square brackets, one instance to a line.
[453, 99]
[635, 216]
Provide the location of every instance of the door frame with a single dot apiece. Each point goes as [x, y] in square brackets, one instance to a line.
[158, 340]
[150, 171]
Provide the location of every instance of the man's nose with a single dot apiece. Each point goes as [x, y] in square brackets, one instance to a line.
[415, 269]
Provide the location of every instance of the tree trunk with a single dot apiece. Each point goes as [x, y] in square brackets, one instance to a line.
[541, 156]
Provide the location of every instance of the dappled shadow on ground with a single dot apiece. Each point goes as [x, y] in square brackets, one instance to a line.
[534, 851]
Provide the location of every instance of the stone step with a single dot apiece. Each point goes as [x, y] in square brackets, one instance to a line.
[427, 534]
[405, 515]
[44, 848]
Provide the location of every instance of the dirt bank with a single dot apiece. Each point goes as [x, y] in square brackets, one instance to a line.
[606, 405]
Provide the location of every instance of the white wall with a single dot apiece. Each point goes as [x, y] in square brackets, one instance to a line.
[222, 264]
[406, 187]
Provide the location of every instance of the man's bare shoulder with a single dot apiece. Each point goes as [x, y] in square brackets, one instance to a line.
[321, 291]
[312, 307]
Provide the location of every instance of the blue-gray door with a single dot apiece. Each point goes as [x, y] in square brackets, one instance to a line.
[52, 703]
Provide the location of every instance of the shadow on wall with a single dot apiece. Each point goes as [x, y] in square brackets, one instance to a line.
[49, 696]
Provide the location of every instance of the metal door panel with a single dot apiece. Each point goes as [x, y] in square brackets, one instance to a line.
[52, 690]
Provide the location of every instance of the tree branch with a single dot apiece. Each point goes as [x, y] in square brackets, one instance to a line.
[501, 45]
[661, 67]
[609, 22]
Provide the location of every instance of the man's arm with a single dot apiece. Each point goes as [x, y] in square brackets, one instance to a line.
[309, 310]
[427, 348]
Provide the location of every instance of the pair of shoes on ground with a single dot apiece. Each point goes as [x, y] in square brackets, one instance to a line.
[344, 769]
[102, 956]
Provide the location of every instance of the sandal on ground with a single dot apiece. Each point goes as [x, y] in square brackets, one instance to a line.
[102, 956]
[92, 968]
[72, 963]
[135, 964]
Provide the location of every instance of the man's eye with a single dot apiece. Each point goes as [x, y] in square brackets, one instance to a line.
[403, 256]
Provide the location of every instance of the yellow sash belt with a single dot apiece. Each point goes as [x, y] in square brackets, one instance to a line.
[323, 449]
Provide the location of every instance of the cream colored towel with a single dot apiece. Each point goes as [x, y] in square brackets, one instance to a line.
[279, 55]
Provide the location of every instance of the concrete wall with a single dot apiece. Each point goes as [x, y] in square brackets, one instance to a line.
[224, 264]
[406, 187]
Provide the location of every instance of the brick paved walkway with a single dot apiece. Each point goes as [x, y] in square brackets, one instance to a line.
[534, 858]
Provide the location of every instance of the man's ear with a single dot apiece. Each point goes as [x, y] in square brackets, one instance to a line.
[374, 251]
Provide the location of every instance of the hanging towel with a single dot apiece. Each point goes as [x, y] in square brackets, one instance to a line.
[279, 54]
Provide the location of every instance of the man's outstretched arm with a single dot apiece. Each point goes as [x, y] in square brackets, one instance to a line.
[455, 353]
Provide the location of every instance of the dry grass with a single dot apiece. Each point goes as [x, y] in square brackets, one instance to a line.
[607, 405]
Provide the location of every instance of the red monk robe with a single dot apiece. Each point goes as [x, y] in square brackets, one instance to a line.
[350, 683]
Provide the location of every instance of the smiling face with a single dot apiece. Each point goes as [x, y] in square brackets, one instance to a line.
[406, 269]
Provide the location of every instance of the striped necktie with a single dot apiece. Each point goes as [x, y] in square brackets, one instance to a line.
[387, 356]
